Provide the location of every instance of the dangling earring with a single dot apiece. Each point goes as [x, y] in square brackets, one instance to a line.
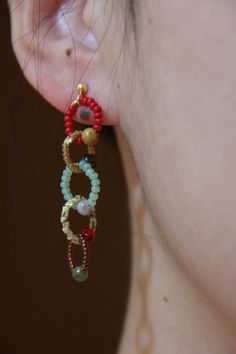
[87, 108]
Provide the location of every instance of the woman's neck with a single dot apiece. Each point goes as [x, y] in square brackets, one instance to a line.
[168, 312]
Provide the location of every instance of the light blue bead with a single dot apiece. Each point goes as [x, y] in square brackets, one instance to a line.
[95, 182]
[81, 164]
[64, 178]
[93, 196]
[67, 172]
[95, 189]
[62, 184]
[92, 203]
[94, 175]
[86, 166]
[89, 172]
[79, 274]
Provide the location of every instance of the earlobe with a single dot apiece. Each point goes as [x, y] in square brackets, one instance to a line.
[56, 50]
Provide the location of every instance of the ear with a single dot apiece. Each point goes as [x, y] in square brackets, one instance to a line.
[56, 51]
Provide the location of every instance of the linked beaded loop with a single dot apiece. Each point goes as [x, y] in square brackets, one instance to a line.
[95, 186]
[71, 204]
[79, 273]
[66, 154]
[86, 108]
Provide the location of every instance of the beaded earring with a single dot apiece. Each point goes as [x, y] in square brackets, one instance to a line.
[86, 108]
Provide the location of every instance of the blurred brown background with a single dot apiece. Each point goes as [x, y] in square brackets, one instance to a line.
[42, 310]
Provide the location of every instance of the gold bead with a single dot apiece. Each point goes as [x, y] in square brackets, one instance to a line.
[82, 88]
[89, 136]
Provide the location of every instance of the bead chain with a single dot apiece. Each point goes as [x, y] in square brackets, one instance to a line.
[87, 108]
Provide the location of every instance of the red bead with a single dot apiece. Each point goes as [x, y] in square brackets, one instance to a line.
[90, 101]
[71, 111]
[69, 124]
[98, 121]
[98, 128]
[93, 105]
[67, 118]
[97, 109]
[68, 131]
[87, 234]
[78, 140]
[82, 99]
[97, 115]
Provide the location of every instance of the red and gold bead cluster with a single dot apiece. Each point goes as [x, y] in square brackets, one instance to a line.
[89, 102]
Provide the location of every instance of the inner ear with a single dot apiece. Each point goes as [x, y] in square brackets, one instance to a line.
[69, 23]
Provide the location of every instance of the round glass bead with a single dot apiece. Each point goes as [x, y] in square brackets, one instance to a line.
[92, 203]
[79, 274]
[89, 136]
[85, 113]
[91, 159]
[93, 196]
[95, 182]
[95, 189]
[83, 207]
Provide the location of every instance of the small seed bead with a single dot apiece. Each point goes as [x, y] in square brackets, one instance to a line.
[68, 119]
[93, 176]
[65, 184]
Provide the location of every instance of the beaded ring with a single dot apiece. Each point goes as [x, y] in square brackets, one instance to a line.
[65, 223]
[79, 273]
[66, 154]
[84, 206]
[87, 108]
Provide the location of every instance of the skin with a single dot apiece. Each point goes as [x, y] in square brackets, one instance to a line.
[166, 80]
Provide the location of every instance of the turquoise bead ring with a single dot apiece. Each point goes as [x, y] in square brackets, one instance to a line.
[91, 174]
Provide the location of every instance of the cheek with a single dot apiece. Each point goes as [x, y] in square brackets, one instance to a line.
[187, 161]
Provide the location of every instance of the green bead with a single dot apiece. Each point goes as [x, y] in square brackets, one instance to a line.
[89, 172]
[92, 203]
[95, 189]
[93, 196]
[65, 191]
[81, 165]
[87, 166]
[95, 182]
[68, 196]
[67, 172]
[94, 176]
[79, 274]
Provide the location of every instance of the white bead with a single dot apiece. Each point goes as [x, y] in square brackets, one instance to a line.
[83, 208]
